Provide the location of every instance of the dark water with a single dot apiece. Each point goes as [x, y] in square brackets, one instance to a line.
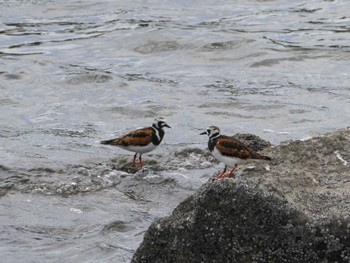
[76, 72]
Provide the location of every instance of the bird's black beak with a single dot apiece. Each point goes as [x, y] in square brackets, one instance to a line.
[203, 133]
[166, 125]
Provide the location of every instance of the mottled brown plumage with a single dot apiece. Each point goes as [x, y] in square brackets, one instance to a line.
[229, 150]
[140, 137]
[141, 141]
[229, 146]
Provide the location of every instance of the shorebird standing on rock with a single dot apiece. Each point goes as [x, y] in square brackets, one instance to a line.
[229, 151]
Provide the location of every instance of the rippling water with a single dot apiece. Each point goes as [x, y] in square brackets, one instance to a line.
[76, 72]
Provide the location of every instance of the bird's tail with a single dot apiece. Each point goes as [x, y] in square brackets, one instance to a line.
[263, 157]
[111, 142]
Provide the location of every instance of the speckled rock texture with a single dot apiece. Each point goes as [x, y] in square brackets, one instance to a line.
[295, 208]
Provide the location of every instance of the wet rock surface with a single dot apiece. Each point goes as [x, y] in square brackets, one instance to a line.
[295, 208]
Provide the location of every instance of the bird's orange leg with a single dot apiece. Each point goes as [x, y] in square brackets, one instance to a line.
[140, 161]
[134, 161]
[221, 174]
[227, 175]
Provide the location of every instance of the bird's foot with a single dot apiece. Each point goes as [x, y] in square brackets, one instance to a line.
[222, 176]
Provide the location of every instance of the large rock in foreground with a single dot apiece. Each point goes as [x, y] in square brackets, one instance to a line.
[293, 209]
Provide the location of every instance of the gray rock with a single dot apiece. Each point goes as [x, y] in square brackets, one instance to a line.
[292, 209]
[253, 141]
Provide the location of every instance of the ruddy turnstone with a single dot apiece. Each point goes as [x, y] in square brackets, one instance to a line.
[229, 150]
[142, 140]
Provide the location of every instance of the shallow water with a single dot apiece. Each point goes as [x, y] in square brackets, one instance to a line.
[76, 72]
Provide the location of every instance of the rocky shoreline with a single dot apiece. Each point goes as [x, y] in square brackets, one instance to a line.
[295, 208]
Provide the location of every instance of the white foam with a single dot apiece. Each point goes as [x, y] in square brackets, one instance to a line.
[75, 210]
[277, 132]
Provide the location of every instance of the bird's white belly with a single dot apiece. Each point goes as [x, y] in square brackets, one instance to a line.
[140, 149]
[229, 161]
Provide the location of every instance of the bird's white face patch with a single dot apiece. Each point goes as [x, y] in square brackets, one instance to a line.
[229, 161]
[139, 149]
